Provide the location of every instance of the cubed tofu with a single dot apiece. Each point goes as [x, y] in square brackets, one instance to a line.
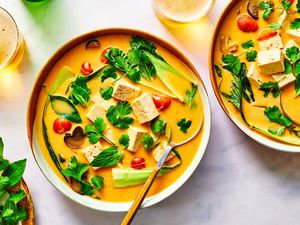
[284, 79]
[289, 44]
[254, 75]
[144, 108]
[270, 61]
[92, 151]
[295, 35]
[135, 138]
[160, 150]
[124, 91]
[274, 42]
[104, 103]
[95, 112]
[283, 17]
[109, 134]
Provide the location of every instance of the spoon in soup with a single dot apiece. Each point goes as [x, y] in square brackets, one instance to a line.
[143, 193]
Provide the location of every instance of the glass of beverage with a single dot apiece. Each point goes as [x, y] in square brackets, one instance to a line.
[182, 11]
[11, 42]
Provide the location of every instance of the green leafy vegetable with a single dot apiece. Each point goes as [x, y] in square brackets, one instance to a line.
[295, 24]
[251, 56]
[148, 142]
[274, 115]
[15, 172]
[288, 67]
[158, 126]
[218, 70]
[97, 182]
[75, 169]
[275, 26]
[108, 72]
[184, 125]
[248, 44]
[118, 115]
[297, 82]
[268, 8]
[190, 96]
[286, 4]
[232, 63]
[80, 91]
[65, 108]
[108, 157]
[86, 188]
[293, 54]
[277, 132]
[298, 6]
[270, 87]
[107, 92]
[95, 131]
[124, 140]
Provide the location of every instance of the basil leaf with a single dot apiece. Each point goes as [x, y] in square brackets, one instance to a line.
[86, 188]
[65, 108]
[158, 126]
[80, 91]
[75, 169]
[15, 172]
[124, 140]
[97, 182]
[17, 197]
[108, 157]
[248, 44]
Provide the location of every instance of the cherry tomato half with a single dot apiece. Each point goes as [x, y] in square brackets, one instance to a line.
[161, 102]
[86, 68]
[138, 163]
[103, 59]
[247, 24]
[61, 126]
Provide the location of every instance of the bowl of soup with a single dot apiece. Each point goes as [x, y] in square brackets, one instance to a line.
[254, 70]
[103, 110]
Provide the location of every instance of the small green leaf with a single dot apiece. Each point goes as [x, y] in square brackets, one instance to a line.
[288, 67]
[107, 92]
[184, 125]
[97, 182]
[274, 115]
[218, 70]
[17, 197]
[286, 4]
[268, 87]
[80, 91]
[108, 157]
[231, 63]
[15, 172]
[118, 115]
[278, 132]
[295, 25]
[124, 140]
[86, 188]
[248, 44]
[158, 126]
[109, 72]
[75, 169]
[190, 96]
[275, 26]
[251, 56]
[148, 142]
[293, 54]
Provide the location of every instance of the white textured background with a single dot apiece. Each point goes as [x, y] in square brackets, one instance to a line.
[239, 182]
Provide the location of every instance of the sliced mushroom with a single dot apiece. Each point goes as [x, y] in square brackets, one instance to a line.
[92, 43]
[226, 45]
[75, 185]
[252, 9]
[75, 139]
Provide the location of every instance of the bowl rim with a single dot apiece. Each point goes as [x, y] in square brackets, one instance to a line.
[52, 176]
[268, 142]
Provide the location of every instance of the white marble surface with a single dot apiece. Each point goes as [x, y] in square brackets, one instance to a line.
[238, 181]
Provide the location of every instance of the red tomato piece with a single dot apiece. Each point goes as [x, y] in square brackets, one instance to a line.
[291, 1]
[61, 126]
[161, 102]
[86, 68]
[247, 24]
[267, 35]
[138, 163]
[103, 59]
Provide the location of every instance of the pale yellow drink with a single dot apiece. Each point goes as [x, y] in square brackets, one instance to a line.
[11, 42]
[182, 10]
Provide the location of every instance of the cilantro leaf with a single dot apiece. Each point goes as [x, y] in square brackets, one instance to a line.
[95, 131]
[288, 67]
[274, 115]
[148, 142]
[268, 87]
[277, 132]
[295, 25]
[97, 181]
[248, 44]
[108, 72]
[80, 91]
[124, 140]
[218, 70]
[190, 96]
[75, 169]
[267, 7]
[86, 188]
[108, 157]
[118, 115]
[232, 63]
[184, 125]
[251, 56]
[107, 93]
[158, 126]
[293, 54]
[286, 4]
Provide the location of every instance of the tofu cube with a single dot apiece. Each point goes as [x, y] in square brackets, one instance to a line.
[289, 44]
[109, 134]
[295, 35]
[135, 138]
[271, 43]
[283, 17]
[95, 112]
[92, 151]
[144, 108]
[270, 61]
[124, 91]
[104, 103]
[254, 75]
[284, 79]
[160, 150]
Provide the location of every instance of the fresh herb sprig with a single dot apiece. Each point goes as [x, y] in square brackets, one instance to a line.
[293, 53]
[274, 115]
[270, 87]
[95, 131]
[268, 7]
[184, 125]
[119, 115]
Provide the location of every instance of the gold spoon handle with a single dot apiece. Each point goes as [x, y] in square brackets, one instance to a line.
[140, 198]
